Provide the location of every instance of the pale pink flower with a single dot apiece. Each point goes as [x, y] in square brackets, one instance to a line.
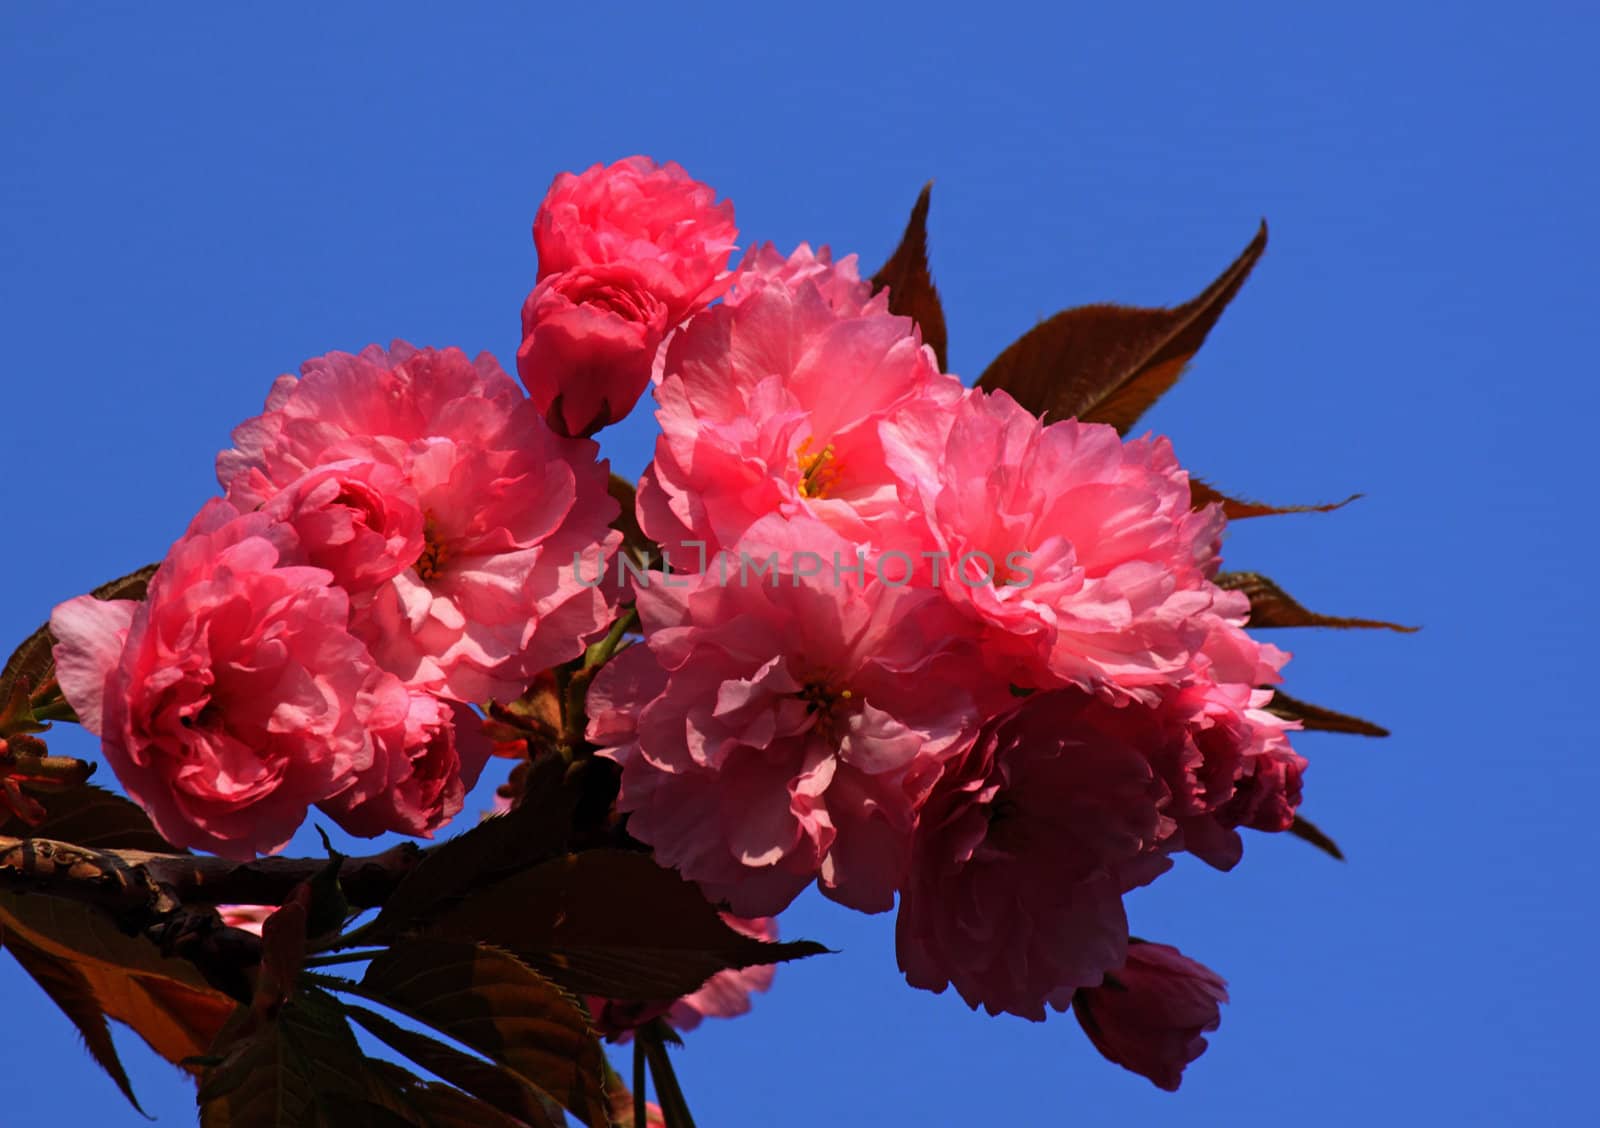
[428, 754]
[1024, 849]
[231, 698]
[1079, 550]
[780, 729]
[725, 995]
[250, 918]
[493, 594]
[778, 404]
[499, 592]
[370, 406]
[840, 283]
[589, 341]
[1152, 1014]
[656, 219]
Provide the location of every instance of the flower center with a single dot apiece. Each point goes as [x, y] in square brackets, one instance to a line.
[435, 553]
[823, 702]
[818, 471]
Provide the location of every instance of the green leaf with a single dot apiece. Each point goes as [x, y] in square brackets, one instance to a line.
[1271, 606]
[1235, 509]
[1318, 719]
[495, 1086]
[1308, 831]
[1109, 363]
[491, 1002]
[70, 991]
[611, 923]
[911, 290]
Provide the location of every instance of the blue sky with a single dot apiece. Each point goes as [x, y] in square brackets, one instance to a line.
[194, 201]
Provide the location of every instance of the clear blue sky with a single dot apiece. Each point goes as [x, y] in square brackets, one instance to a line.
[192, 203]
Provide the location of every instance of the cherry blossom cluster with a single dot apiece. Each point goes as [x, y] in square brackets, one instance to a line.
[396, 541]
[1047, 700]
[1008, 754]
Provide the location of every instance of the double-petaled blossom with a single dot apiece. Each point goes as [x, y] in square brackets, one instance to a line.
[626, 253]
[784, 725]
[1024, 849]
[1151, 1014]
[1077, 549]
[840, 283]
[779, 403]
[233, 697]
[656, 220]
[486, 593]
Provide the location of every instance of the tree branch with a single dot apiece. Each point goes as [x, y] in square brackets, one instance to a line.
[136, 882]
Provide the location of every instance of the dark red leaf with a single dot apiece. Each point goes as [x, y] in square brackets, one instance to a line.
[1236, 509]
[911, 290]
[1271, 606]
[491, 1002]
[1316, 718]
[74, 995]
[1108, 363]
[612, 923]
[1303, 828]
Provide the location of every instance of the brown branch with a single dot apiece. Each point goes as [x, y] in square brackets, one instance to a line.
[137, 882]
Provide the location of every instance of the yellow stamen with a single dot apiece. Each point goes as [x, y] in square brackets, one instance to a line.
[435, 553]
[818, 471]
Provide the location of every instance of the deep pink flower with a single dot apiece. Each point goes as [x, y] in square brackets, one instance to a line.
[233, 697]
[656, 219]
[725, 995]
[427, 756]
[779, 404]
[1024, 849]
[781, 728]
[1227, 762]
[1152, 1014]
[493, 595]
[1079, 550]
[359, 520]
[589, 341]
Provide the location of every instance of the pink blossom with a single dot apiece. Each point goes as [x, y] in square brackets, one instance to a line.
[664, 225]
[776, 731]
[370, 406]
[725, 995]
[250, 918]
[1079, 550]
[589, 341]
[428, 754]
[779, 404]
[1227, 762]
[839, 283]
[492, 596]
[233, 697]
[359, 520]
[1151, 1015]
[1024, 849]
